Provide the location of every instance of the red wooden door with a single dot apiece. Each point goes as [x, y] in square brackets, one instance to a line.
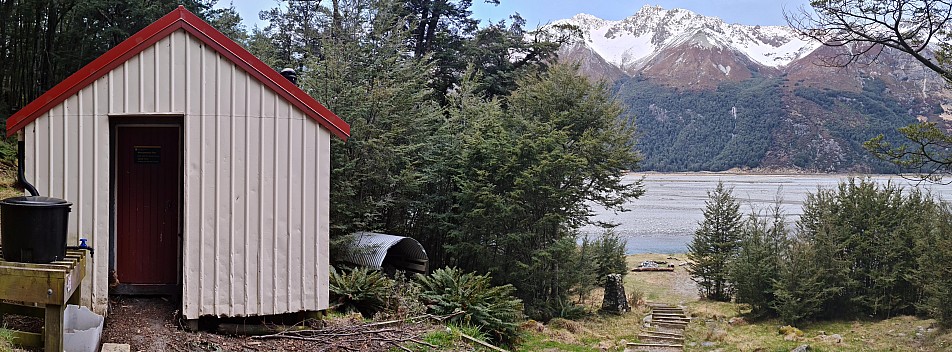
[147, 204]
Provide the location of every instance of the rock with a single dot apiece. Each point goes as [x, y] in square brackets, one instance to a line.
[802, 348]
[615, 300]
[605, 346]
[737, 321]
[707, 344]
[532, 325]
[790, 337]
[787, 330]
[717, 335]
[116, 347]
[568, 325]
[832, 339]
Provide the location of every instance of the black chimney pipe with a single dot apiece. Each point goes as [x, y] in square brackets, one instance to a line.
[20, 156]
[290, 75]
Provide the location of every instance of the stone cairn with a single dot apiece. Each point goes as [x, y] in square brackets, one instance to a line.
[615, 300]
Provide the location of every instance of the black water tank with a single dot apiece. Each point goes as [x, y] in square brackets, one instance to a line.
[33, 229]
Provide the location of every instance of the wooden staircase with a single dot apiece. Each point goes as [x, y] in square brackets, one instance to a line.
[664, 332]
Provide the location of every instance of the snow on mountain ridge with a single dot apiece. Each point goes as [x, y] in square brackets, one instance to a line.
[630, 42]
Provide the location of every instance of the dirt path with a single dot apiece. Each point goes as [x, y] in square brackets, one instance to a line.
[674, 287]
[152, 324]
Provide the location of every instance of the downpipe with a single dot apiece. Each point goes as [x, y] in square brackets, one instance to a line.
[21, 154]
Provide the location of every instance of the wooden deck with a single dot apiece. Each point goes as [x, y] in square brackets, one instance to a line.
[42, 290]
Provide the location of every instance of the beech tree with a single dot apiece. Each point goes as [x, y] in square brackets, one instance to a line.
[716, 243]
[864, 28]
[527, 175]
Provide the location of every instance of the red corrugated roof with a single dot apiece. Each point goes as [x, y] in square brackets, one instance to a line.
[179, 18]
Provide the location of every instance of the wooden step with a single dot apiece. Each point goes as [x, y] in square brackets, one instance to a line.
[670, 316]
[659, 337]
[681, 316]
[633, 344]
[671, 334]
[668, 320]
[669, 325]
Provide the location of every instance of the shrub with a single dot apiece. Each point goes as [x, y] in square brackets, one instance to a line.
[609, 256]
[404, 299]
[753, 272]
[936, 264]
[364, 290]
[492, 308]
[6, 340]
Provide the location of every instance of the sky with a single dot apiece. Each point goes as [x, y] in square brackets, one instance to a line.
[540, 12]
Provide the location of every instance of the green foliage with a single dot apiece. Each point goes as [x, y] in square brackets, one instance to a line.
[6, 340]
[494, 175]
[873, 231]
[363, 290]
[42, 42]
[730, 126]
[607, 255]
[491, 308]
[935, 265]
[527, 175]
[364, 77]
[806, 285]
[725, 128]
[715, 244]
[926, 152]
[863, 115]
[404, 299]
[8, 152]
[753, 272]
[861, 250]
[869, 25]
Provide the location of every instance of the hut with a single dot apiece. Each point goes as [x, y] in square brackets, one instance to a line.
[194, 169]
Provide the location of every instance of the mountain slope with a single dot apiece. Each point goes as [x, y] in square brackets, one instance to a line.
[708, 95]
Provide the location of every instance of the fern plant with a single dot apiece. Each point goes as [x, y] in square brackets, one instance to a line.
[360, 289]
[491, 308]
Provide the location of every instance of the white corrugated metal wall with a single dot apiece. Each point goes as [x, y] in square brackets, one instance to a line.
[256, 178]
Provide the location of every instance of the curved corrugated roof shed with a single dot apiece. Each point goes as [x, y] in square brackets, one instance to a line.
[388, 253]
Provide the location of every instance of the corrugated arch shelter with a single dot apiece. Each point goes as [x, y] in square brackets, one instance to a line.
[192, 166]
[388, 253]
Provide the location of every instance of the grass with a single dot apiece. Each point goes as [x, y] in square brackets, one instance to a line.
[8, 179]
[450, 339]
[6, 340]
[710, 331]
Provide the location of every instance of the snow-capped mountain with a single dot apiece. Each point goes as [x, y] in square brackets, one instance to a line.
[632, 43]
[709, 95]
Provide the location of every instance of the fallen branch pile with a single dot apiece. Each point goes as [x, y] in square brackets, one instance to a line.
[363, 337]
